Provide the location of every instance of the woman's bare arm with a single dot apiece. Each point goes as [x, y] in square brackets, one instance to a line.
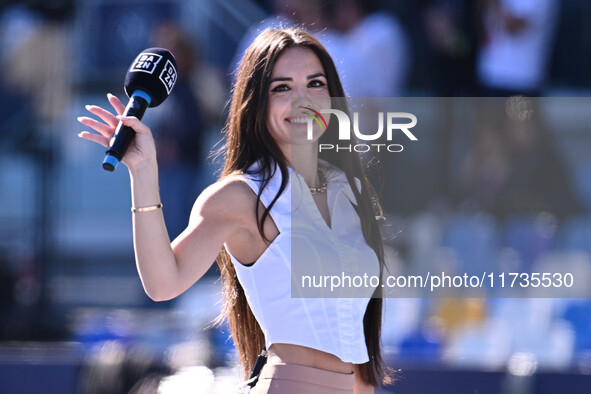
[222, 210]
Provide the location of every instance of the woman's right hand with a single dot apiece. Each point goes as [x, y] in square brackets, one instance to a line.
[142, 150]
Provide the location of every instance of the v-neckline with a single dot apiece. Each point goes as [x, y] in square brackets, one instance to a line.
[314, 207]
[330, 202]
[318, 213]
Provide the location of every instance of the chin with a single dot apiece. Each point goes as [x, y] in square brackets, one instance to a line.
[300, 137]
[303, 140]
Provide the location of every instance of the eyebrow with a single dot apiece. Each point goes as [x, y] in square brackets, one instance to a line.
[279, 79]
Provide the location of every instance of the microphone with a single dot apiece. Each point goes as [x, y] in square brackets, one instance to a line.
[148, 83]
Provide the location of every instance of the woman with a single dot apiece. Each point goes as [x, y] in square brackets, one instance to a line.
[330, 345]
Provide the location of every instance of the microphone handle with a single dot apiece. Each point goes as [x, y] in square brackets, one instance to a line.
[124, 135]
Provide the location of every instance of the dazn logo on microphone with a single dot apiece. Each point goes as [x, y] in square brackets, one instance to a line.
[168, 76]
[146, 63]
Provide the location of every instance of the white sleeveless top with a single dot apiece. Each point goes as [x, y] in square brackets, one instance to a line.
[316, 316]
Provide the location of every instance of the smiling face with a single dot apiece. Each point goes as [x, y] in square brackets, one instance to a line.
[298, 82]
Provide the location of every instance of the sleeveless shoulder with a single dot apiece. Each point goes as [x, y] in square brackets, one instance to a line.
[230, 196]
[269, 195]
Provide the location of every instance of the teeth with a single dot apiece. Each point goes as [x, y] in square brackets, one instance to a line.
[299, 120]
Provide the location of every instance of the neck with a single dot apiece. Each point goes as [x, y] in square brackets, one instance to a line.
[304, 160]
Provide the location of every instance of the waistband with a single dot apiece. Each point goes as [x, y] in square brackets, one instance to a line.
[305, 374]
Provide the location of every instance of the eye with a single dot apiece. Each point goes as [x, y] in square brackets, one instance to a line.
[280, 88]
[316, 83]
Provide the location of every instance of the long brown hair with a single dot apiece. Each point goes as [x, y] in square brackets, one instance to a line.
[247, 141]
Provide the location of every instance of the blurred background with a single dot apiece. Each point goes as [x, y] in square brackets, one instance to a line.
[511, 189]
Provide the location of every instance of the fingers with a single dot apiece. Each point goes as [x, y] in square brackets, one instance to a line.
[105, 129]
[95, 138]
[105, 115]
[106, 132]
[135, 124]
[110, 122]
[116, 103]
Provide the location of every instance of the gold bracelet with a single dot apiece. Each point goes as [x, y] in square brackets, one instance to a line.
[146, 209]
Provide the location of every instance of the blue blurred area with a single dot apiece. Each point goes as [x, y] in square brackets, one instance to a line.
[112, 32]
[72, 305]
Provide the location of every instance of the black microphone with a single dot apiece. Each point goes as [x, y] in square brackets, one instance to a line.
[148, 83]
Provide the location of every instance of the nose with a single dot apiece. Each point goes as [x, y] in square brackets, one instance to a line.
[300, 98]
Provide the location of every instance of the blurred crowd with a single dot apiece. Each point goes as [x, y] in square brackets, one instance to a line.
[510, 190]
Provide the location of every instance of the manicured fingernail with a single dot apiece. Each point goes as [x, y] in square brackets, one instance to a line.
[87, 106]
[109, 95]
[79, 119]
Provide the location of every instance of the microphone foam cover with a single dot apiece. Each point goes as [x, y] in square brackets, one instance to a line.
[154, 71]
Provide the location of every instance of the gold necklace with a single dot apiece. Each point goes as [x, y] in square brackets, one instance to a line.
[322, 187]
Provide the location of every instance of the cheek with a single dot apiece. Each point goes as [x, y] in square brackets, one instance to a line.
[275, 115]
[276, 108]
[323, 102]
[320, 99]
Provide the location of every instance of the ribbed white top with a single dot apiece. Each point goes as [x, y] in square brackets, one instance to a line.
[332, 321]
